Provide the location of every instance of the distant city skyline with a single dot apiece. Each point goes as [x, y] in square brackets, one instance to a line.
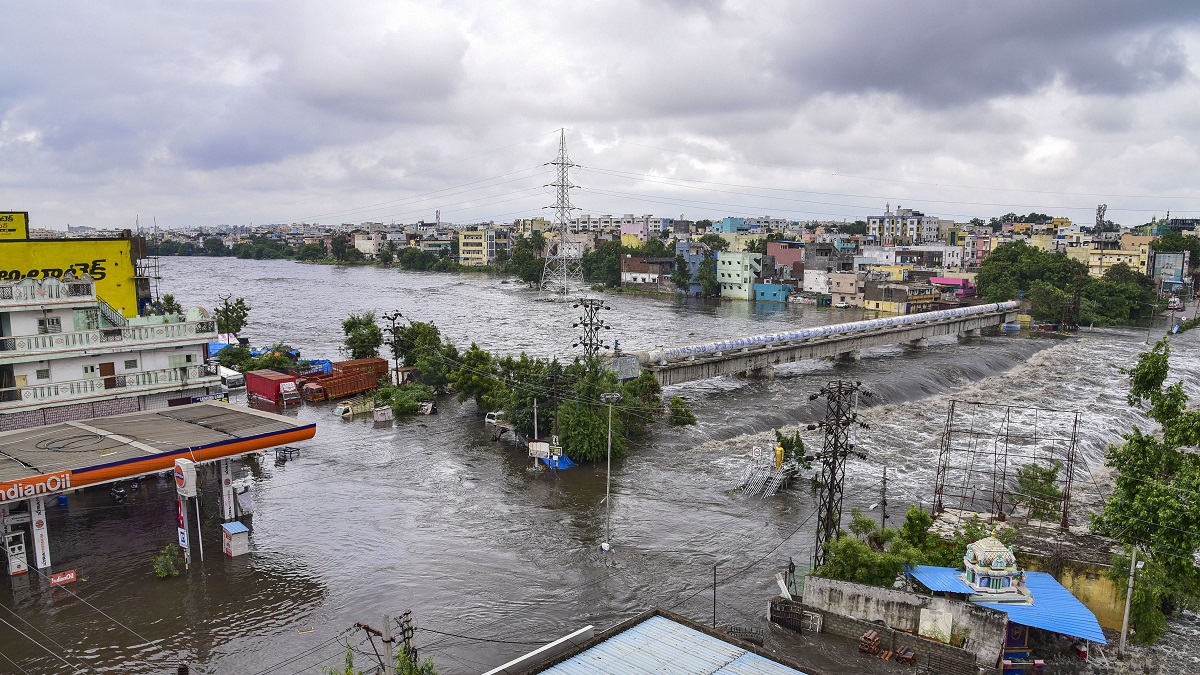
[202, 115]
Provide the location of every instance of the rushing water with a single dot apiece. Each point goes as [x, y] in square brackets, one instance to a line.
[433, 516]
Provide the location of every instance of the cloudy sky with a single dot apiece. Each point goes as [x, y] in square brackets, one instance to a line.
[237, 111]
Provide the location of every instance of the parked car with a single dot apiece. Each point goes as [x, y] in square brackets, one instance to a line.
[842, 305]
[1175, 304]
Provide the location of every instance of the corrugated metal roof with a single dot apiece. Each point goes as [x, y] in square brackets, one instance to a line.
[1053, 609]
[940, 579]
[660, 645]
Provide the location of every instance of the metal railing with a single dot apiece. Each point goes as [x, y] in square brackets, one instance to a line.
[194, 331]
[146, 380]
[111, 315]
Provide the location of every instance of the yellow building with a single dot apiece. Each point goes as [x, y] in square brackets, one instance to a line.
[893, 272]
[472, 248]
[112, 263]
[631, 241]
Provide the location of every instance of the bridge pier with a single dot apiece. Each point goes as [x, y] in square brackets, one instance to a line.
[971, 333]
[764, 373]
[852, 356]
[919, 343]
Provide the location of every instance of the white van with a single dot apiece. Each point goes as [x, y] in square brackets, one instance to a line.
[231, 379]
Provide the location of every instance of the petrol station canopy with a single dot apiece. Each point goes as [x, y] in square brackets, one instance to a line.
[61, 457]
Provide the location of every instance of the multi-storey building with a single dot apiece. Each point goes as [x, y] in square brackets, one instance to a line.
[65, 354]
[478, 247]
[737, 272]
[905, 226]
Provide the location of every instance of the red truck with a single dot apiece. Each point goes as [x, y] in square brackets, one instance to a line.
[272, 386]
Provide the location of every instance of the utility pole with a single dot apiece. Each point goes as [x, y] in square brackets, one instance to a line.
[883, 516]
[840, 416]
[565, 267]
[592, 324]
[1133, 567]
[388, 644]
[394, 318]
[610, 398]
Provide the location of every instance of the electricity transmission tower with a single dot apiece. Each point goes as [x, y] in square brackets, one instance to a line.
[591, 323]
[841, 416]
[564, 268]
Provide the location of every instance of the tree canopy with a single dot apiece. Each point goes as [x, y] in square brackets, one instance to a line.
[363, 335]
[231, 314]
[1152, 506]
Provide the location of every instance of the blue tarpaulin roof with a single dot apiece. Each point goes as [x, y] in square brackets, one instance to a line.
[564, 462]
[321, 365]
[1053, 609]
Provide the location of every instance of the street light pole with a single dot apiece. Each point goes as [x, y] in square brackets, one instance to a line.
[609, 398]
[394, 318]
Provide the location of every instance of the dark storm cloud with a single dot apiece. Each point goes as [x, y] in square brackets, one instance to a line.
[959, 53]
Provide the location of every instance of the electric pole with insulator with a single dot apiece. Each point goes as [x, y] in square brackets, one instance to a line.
[592, 324]
[841, 418]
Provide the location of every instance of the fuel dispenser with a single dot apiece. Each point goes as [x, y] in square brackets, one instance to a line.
[14, 547]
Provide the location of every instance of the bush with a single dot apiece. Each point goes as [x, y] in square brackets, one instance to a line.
[166, 563]
[678, 413]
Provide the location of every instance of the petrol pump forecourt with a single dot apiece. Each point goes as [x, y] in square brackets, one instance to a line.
[40, 462]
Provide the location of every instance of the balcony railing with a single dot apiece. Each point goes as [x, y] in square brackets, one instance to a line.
[145, 381]
[105, 337]
[36, 292]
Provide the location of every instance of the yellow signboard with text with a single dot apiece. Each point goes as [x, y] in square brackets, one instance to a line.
[14, 225]
[108, 261]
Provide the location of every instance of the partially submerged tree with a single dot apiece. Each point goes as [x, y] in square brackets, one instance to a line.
[231, 315]
[363, 335]
[1152, 506]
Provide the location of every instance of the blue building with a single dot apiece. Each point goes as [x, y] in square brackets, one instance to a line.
[731, 225]
[693, 255]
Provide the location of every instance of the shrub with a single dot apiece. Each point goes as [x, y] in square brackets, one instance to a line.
[678, 412]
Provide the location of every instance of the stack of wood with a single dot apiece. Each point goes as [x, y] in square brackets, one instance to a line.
[869, 642]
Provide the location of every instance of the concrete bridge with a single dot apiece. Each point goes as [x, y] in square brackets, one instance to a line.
[757, 355]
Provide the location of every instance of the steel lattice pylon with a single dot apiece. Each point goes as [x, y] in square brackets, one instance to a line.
[564, 267]
[840, 417]
[591, 323]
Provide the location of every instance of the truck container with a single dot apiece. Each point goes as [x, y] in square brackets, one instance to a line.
[268, 385]
[374, 366]
[338, 385]
[231, 378]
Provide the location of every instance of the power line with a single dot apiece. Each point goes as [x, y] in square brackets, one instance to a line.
[47, 649]
[97, 609]
[14, 663]
[873, 178]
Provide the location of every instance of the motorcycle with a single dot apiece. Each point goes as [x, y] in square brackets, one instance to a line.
[118, 493]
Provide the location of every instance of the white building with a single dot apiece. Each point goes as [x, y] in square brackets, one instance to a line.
[737, 272]
[904, 226]
[66, 355]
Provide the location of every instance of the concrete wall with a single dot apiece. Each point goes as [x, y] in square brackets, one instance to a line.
[983, 626]
[1089, 583]
[933, 657]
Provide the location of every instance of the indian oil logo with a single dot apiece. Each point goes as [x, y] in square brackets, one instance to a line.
[37, 486]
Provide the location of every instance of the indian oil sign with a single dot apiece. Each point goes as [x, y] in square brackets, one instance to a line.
[37, 485]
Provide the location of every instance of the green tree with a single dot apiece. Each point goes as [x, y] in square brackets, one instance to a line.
[165, 305]
[310, 252]
[363, 335]
[1148, 508]
[213, 246]
[715, 241]
[387, 252]
[340, 248]
[476, 377]
[858, 227]
[679, 413]
[641, 402]
[680, 274]
[706, 275]
[231, 315]
[603, 264]
[654, 248]
[1038, 490]
[584, 419]
[537, 242]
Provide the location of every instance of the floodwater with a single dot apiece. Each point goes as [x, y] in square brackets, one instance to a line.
[433, 517]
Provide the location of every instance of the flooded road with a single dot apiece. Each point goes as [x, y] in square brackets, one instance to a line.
[434, 517]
